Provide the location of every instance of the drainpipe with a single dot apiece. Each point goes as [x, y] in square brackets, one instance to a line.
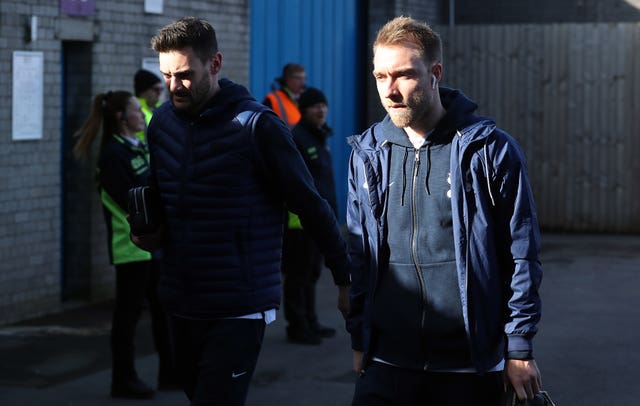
[452, 13]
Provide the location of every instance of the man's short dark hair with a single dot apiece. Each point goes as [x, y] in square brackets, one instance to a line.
[187, 32]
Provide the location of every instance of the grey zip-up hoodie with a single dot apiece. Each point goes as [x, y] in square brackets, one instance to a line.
[426, 328]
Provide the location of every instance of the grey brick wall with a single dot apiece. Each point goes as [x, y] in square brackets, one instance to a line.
[34, 173]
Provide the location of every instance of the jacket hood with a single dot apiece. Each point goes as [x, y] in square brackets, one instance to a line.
[459, 114]
[225, 100]
[228, 97]
[460, 111]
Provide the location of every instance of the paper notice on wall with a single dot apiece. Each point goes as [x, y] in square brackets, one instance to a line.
[152, 65]
[27, 96]
[153, 6]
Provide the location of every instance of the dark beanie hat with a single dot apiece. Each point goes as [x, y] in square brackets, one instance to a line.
[311, 96]
[143, 80]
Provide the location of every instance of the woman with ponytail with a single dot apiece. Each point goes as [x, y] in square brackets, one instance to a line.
[123, 163]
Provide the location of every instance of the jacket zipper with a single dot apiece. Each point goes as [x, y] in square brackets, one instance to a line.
[414, 237]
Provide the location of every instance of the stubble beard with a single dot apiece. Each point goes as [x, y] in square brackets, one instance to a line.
[416, 108]
[197, 95]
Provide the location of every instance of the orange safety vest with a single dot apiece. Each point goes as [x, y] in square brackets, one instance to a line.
[284, 107]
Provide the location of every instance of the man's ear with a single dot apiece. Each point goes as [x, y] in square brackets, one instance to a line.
[216, 63]
[437, 71]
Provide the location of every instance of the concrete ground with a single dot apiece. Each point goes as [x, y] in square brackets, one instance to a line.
[586, 346]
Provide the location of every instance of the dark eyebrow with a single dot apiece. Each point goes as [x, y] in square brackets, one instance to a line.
[411, 72]
[181, 74]
[405, 72]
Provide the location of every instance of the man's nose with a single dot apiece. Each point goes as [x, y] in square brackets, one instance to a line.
[389, 89]
[174, 84]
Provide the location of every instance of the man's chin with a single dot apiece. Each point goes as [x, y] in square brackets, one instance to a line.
[181, 103]
[399, 121]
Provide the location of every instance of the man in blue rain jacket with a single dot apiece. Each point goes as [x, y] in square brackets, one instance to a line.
[443, 238]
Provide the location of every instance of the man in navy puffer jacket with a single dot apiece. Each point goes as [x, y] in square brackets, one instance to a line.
[443, 238]
[224, 177]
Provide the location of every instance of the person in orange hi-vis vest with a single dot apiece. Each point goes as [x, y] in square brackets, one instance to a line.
[284, 101]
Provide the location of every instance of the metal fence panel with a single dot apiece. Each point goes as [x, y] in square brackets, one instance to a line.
[569, 94]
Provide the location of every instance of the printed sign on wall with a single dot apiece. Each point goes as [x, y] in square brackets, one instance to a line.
[27, 96]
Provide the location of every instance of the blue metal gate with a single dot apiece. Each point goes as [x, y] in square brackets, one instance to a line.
[327, 37]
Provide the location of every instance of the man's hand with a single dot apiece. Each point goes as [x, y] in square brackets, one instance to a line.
[147, 242]
[357, 361]
[524, 376]
[343, 300]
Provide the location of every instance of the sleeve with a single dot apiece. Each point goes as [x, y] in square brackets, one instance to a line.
[290, 174]
[359, 274]
[116, 177]
[152, 180]
[267, 102]
[518, 220]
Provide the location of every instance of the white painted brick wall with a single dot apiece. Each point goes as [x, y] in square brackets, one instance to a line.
[30, 171]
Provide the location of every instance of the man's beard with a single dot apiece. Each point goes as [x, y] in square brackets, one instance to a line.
[416, 108]
[196, 95]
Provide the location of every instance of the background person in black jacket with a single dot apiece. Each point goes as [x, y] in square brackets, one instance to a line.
[301, 259]
[224, 167]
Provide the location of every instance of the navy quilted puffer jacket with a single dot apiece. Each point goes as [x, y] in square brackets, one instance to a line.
[224, 210]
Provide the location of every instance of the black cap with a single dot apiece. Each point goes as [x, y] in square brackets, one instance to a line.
[311, 96]
[144, 80]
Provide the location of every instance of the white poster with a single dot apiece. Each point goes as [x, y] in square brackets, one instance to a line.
[153, 6]
[27, 96]
[152, 65]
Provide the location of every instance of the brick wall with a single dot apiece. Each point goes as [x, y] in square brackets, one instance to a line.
[34, 173]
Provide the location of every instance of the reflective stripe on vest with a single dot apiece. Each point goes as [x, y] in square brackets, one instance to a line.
[284, 107]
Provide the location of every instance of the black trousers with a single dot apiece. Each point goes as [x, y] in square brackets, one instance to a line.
[215, 359]
[386, 385]
[136, 283]
[301, 266]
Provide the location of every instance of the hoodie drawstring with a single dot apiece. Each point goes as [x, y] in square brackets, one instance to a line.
[426, 178]
[404, 174]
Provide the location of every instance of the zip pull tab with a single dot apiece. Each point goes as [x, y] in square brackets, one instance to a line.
[416, 160]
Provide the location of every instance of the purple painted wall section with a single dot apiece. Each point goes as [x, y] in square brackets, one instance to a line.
[77, 7]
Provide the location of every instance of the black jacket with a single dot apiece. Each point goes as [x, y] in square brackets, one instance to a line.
[312, 144]
[223, 191]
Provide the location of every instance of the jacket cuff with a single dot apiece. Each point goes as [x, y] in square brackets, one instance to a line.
[354, 327]
[519, 347]
[520, 355]
[356, 343]
[340, 273]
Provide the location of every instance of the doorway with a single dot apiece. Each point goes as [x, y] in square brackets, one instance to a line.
[78, 177]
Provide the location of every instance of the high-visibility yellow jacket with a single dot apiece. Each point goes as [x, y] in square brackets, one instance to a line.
[148, 113]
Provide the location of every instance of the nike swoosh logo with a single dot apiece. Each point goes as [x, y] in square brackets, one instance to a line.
[234, 375]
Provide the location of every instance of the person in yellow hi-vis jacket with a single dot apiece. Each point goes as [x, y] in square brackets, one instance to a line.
[123, 163]
[148, 88]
